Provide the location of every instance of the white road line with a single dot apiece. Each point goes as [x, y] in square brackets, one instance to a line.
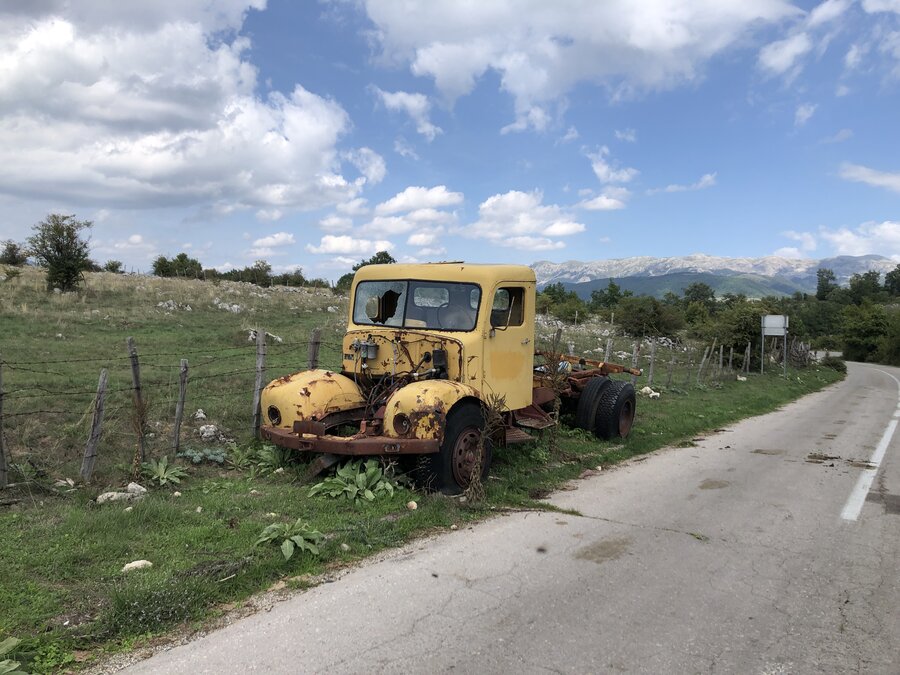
[857, 497]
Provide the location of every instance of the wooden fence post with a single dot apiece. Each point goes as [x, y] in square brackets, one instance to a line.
[690, 366]
[721, 356]
[260, 374]
[179, 407]
[652, 362]
[634, 360]
[140, 408]
[315, 340]
[90, 449]
[702, 364]
[609, 345]
[730, 358]
[671, 370]
[4, 467]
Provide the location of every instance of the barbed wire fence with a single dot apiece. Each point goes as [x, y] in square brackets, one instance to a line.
[52, 421]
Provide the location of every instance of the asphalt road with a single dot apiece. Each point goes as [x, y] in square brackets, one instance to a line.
[770, 547]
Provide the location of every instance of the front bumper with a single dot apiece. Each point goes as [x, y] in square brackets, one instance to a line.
[352, 445]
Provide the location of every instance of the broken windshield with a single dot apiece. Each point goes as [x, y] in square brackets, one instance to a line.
[439, 305]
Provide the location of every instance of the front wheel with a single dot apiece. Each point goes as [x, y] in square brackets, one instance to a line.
[615, 412]
[450, 470]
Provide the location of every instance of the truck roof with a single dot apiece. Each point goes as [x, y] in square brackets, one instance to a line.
[447, 271]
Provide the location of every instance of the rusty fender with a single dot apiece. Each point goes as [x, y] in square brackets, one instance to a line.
[309, 395]
[419, 410]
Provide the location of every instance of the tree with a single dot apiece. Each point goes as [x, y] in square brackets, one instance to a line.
[608, 298]
[892, 281]
[826, 282]
[644, 315]
[702, 294]
[57, 245]
[864, 328]
[114, 266]
[381, 258]
[13, 254]
[865, 286]
[182, 265]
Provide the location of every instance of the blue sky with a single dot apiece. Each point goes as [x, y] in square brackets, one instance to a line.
[315, 133]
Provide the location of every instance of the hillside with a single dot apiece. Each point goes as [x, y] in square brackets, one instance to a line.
[752, 276]
[751, 285]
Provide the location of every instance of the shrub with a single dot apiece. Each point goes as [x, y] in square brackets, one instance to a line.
[834, 363]
[290, 537]
[57, 245]
[159, 472]
[355, 481]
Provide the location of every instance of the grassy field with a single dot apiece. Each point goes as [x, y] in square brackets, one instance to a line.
[61, 588]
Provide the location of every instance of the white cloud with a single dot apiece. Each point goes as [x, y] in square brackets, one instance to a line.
[424, 238]
[335, 223]
[520, 220]
[413, 198]
[354, 207]
[277, 239]
[841, 90]
[417, 106]
[779, 57]
[571, 135]
[839, 137]
[854, 56]
[806, 239]
[873, 177]
[871, 237]
[346, 245]
[602, 203]
[135, 243]
[370, 164]
[155, 104]
[403, 148]
[707, 180]
[827, 12]
[414, 220]
[270, 214]
[541, 50]
[803, 113]
[788, 252]
[608, 172]
[431, 251]
[873, 6]
[627, 135]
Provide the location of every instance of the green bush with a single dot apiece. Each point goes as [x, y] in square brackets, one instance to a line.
[835, 363]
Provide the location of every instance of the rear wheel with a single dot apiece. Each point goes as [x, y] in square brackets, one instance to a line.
[450, 470]
[588, 402]
[615, 412]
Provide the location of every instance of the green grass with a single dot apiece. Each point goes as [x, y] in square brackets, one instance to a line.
[61, 588]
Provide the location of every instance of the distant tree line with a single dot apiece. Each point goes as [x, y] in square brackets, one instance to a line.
[861, 319]
[59, 244]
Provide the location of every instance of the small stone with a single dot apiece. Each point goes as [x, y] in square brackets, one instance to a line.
[412, 506]
[129, 509]
[137, 565]
[271, 515]
[199, 509]
[199, 415]
[598, 468]
[279, 470]
[454, 526]
[136, 489]
[176, 493]
[463, 499]
[345, 547]
[254, 492]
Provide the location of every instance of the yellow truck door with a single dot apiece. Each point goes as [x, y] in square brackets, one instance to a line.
[509, 343]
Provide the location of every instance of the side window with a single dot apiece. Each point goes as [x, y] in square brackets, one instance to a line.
[508, 308]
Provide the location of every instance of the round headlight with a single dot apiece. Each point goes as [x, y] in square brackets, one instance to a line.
[401, 424]
[274, 415]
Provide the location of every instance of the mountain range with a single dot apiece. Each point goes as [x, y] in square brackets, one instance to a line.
[754, 277]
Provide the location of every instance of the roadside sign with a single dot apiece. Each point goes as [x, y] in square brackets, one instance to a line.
[775, 324]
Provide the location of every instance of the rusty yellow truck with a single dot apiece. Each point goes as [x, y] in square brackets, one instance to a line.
[427, 348]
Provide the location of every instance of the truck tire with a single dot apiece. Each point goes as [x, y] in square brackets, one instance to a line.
[615, 413]
[586, 412]
[450, 470]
